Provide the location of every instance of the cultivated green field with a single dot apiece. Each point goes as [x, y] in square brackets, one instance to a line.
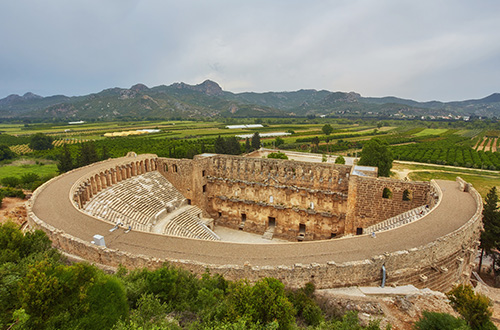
[443, 143]
[482, 183]
[432, 131]
[19, 168]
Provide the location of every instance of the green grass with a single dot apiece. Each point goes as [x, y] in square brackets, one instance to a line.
[432, 131]
[482, 183]
[18, 170]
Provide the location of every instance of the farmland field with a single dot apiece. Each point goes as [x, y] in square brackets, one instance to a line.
[431, 131]
[22, 167]
[481, 182]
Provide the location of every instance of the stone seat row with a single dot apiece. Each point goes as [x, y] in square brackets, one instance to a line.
[187, 223]
[399, 220]
[136, 200]
[103, 210]
[119, 218]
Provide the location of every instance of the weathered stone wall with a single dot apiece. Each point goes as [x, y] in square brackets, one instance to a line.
[324, 198]
[316, 225]
[229, 188]
[332, 177]
[367, 205]
[189, 177]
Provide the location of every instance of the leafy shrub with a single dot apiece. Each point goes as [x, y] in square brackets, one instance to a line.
[28, 178]
[11, 181]
[473, 307]
[439, 321]
[277, 155]
[11, 192]
[340, 160]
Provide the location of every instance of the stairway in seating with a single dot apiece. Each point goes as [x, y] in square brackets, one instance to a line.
[268, 234]
[186, 222]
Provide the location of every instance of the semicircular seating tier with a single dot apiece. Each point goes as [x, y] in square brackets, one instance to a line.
[149, 202]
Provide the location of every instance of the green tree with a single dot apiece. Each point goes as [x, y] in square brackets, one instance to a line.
[376, 153]
[324, 159]
[79, 296]
[305, 305]
[439, 321]
[88, 154]
[248, 147]
[6, 153]
[278, 141]
[473, 307]
[263, 303]
[220, 145]
[105, 153]
[65, 161]
[150, 314]
[233, 146]
[40, 141]
[340, 160]
[327, 129]
[40, 291]
[490, 235]
[256, 141]
[11, 181]
[277, 155]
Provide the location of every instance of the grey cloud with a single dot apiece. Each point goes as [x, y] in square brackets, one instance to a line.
[377, 48]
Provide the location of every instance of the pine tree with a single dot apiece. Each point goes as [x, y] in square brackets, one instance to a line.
[220, 145]
[65, 161]
[88, 154]
[490, 239]
[105, 154]
[233, 146]
[256, 141]
[248, 147]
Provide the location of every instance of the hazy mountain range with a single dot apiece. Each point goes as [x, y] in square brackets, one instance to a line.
[209, 100]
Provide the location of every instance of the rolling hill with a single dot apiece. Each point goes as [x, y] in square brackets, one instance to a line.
[207, 100]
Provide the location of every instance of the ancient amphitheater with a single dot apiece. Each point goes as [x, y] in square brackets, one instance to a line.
[342, 223]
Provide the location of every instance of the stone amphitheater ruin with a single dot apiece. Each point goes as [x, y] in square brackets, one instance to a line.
[342, 223]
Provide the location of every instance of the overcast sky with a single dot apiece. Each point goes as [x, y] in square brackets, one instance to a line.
[423, 50]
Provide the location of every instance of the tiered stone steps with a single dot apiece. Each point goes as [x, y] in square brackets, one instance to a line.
[186, 222]
[398, 220]
[136, 202]
[268, 234]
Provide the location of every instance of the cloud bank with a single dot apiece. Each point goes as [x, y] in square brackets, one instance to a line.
[426, 50]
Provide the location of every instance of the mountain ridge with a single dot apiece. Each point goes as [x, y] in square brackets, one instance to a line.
[208, 99]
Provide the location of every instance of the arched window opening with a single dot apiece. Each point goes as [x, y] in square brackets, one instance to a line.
[407, 195]
[387, 193]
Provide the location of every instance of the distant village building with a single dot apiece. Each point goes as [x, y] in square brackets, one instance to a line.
[263, 135]
[244, 126]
